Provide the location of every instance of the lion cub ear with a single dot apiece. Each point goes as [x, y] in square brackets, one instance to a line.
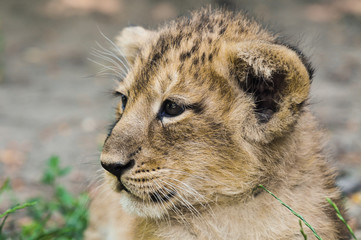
[131, 40]
[278, 83]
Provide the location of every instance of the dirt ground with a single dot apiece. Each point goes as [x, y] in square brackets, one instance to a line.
[49, 105]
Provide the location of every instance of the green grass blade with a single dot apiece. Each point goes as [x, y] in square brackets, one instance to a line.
[341, 217]
[14, 209]
[294, 213]
[301, 230]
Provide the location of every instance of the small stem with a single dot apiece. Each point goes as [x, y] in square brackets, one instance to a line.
[294, 213]
[17, 208]
[341, 217]
[302, 232]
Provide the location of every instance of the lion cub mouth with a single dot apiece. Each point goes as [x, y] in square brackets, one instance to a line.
[158, 196]
[161, 196]
[120, 187]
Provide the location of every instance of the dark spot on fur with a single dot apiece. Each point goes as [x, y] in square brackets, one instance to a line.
[155, 58]
[176, 40]
[210, 57]
[188, 35]
[222, 30]
[195, 47]
[131, 155]
[195, 61]
[151, 63]
[184, 55]
[159, 49]
[203, 57]
[196, 75]
[215, 51]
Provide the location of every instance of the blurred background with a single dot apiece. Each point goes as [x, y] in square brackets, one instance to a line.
[50, 106]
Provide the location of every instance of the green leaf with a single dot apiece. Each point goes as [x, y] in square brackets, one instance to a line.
[50, 172]
[54, 162]
[65, 198]
[54, 170]
[32, 230]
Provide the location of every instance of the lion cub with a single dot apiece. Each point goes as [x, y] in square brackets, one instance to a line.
[210, 107]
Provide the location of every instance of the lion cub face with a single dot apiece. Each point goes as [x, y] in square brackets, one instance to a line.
[195, 108]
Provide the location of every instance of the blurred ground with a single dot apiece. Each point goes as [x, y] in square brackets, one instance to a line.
[49, 107]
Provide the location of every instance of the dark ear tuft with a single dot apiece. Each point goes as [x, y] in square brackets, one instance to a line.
[266, 93]
[277, 81]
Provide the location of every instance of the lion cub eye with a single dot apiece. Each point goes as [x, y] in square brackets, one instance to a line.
[171, 109]
[124, 101]
[124, 98]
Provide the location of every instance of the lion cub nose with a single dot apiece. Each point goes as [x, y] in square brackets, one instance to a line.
[117, 169]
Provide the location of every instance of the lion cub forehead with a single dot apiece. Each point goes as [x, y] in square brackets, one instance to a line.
[166, 83]
[186, 58]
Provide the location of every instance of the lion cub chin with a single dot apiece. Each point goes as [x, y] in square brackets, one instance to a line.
[210, 107]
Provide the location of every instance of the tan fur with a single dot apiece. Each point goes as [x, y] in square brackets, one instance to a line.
[247, 124]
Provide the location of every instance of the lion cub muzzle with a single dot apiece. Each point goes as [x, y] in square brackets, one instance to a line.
[117, 169]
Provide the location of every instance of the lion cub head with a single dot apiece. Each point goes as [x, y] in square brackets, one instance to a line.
[201, 100]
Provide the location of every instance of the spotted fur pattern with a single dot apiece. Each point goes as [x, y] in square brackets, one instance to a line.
[244, 122]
